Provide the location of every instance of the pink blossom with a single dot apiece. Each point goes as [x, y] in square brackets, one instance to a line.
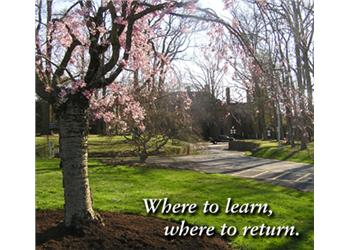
[142, 127]
[87, 94]
[123, 63]
[234, 23]
[77, 85]
[101, 30]
[120, 21]
[62, 93]
[227, 4]
[119, 98]
[191, 6]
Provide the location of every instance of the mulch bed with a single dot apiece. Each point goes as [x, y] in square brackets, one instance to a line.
[121, 231]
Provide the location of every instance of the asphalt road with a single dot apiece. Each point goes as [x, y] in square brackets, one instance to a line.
[217, 159]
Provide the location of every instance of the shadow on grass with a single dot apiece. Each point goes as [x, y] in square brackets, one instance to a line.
[112, 154]
[47, 170]
[290, 155]
[274, 153]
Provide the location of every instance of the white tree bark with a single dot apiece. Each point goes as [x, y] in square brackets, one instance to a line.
[73, 129]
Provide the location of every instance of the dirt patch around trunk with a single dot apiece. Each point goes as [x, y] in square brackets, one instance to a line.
[121, 231]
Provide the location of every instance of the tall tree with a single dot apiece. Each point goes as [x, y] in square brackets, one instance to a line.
[110, 36]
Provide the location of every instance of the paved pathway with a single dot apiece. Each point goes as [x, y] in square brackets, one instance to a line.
[217, 159]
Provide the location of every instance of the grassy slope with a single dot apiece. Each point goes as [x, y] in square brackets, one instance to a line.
[122, 189]
[270, 150]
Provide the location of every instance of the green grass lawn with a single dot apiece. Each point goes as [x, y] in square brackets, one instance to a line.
[108, 146]
[270, 150]
[122, 188]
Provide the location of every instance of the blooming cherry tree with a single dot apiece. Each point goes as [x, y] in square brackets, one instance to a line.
[81, 49]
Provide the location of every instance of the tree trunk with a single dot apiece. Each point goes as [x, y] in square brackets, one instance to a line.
[143, 157]
[290, 136]
[301, 84]
[73, 129]
[303, 140]
[45, 112]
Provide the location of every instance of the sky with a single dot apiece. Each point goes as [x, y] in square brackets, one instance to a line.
[216, 5]
[236, 93]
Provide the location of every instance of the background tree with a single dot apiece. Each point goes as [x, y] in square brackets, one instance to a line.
[275, 65]
[166, 104]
